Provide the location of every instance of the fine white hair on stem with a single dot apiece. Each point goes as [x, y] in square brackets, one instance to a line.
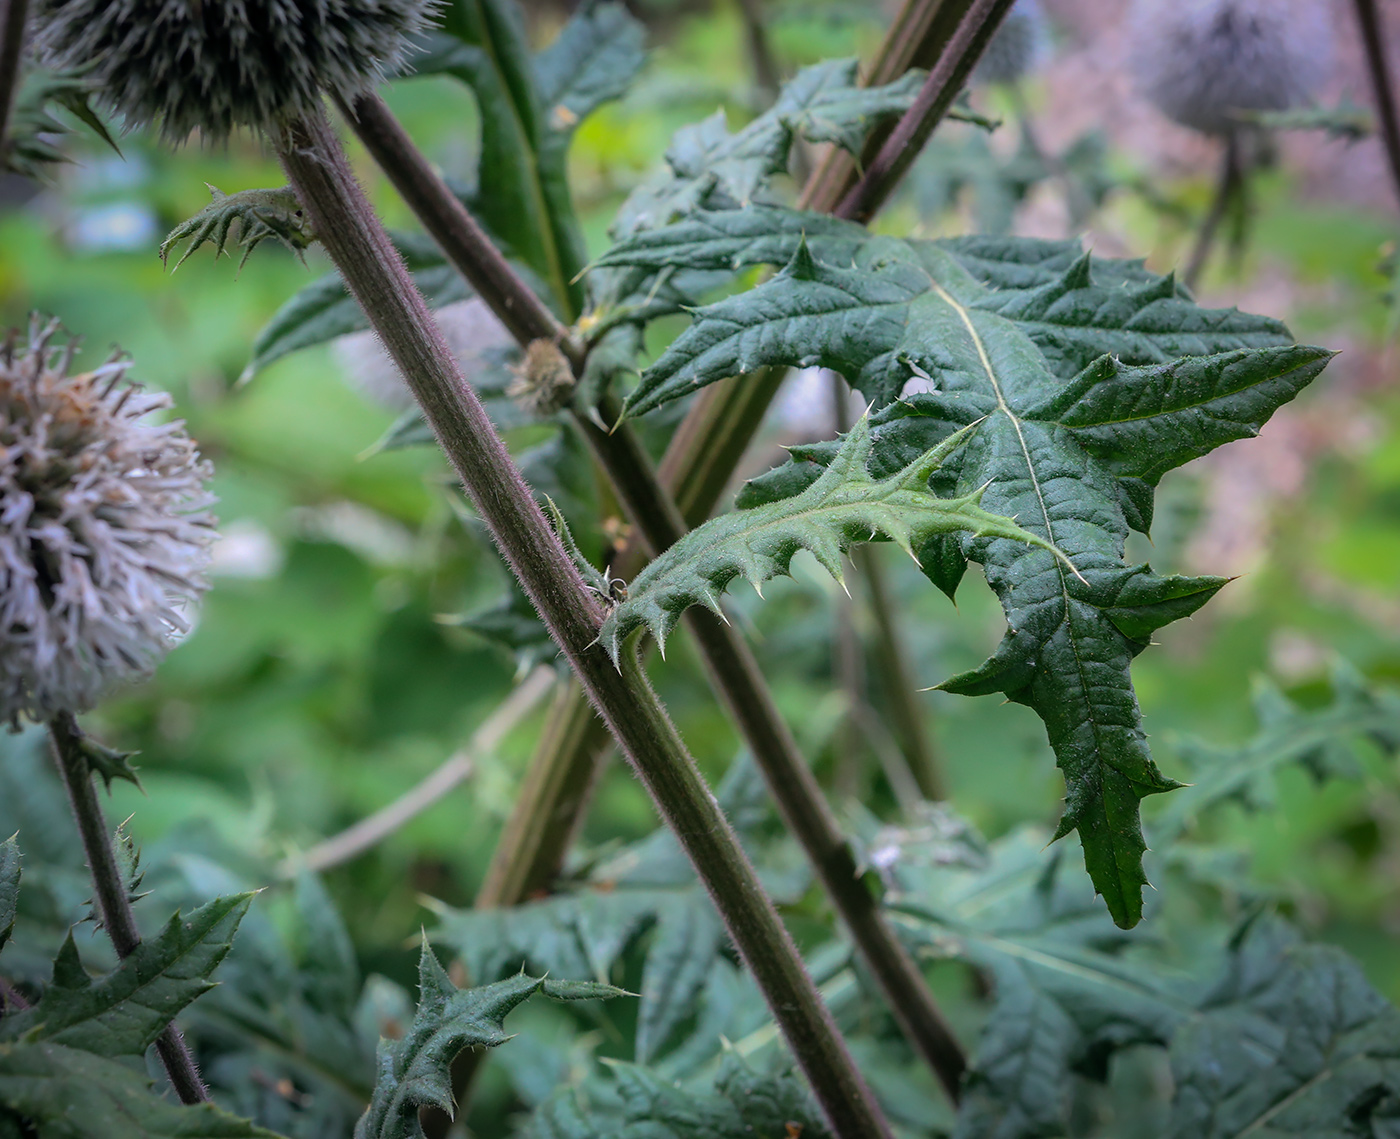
[1202, 61]
[104, 528]
[221, 64]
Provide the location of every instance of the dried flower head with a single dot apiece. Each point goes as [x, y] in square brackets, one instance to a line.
[213, 65]
[103, 528]
[543, 382]
[1201, 61]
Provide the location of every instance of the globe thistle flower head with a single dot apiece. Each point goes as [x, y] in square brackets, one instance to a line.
[103, 528]
[1018, 47]
[1202, 61]
[213, 65]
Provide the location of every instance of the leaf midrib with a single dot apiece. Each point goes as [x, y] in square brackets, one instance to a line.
[1003, 406]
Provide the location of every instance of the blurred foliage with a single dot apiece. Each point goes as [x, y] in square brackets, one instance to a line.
[342, 655]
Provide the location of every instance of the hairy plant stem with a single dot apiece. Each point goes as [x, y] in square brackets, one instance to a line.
[110, 889]
[372, 269]
[1373, 38]
[734, 673]
[13, 16]
[946, 79]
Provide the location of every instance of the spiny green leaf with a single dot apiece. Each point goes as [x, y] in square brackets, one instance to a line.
[1319, 740]
[843, 506]
[1074, 462]
[414, 1071]
[9, 886]
[711, 167]
[123, 1012]
[30, 146]
[742, 1104]
[1267, 1036]
[66, 1093]
[1292, 1042]
[257, 214]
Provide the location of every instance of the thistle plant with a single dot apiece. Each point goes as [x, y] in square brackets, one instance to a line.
[104, 531]
[1025, 399]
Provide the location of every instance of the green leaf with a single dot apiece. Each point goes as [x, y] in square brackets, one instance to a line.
[414, 1071]
[9, 886]
[66, 1093]
[122, 1013]
[712, 168]
[1073, 461]
[1064, 993]
[1267, 1036]
[1319, 740]
[687, 940]
[843, 506]
[1293, 1041]
[258, 216]
[592, 61]
[742, 1104]
[31, 144]
[529, 110]
[324, 309]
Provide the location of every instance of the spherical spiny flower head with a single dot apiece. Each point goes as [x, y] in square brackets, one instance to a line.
[213, 65]
[1201, 61]
[103, 530]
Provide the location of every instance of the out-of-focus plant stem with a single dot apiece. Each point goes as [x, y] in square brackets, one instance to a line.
[1373, 39]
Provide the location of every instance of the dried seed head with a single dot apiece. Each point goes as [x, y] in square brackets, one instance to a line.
[103, 529]
[1018, 46]
[543, 379]
[212, 65]
[1200, 61]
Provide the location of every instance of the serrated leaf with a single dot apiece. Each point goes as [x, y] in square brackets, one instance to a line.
[31, 141]
[687, 940]
[256, 216]
[843, 506]
[1063, 991]
[522, 193]
[1267, 1036]
[1074, 462]
[67, 1093]
[1318, 739]
[9, 886]
[742, 1104]
[1293, 1042]
[414, 1072]
[122, 1013]
[324, 309]
[712, 167]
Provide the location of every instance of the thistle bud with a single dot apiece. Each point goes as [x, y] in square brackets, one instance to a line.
[213, 65]
[1202, 61]
[103, 529]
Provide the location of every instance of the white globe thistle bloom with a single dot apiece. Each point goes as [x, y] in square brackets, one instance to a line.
[213, 65]
[1200, 61]
[103, 529]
